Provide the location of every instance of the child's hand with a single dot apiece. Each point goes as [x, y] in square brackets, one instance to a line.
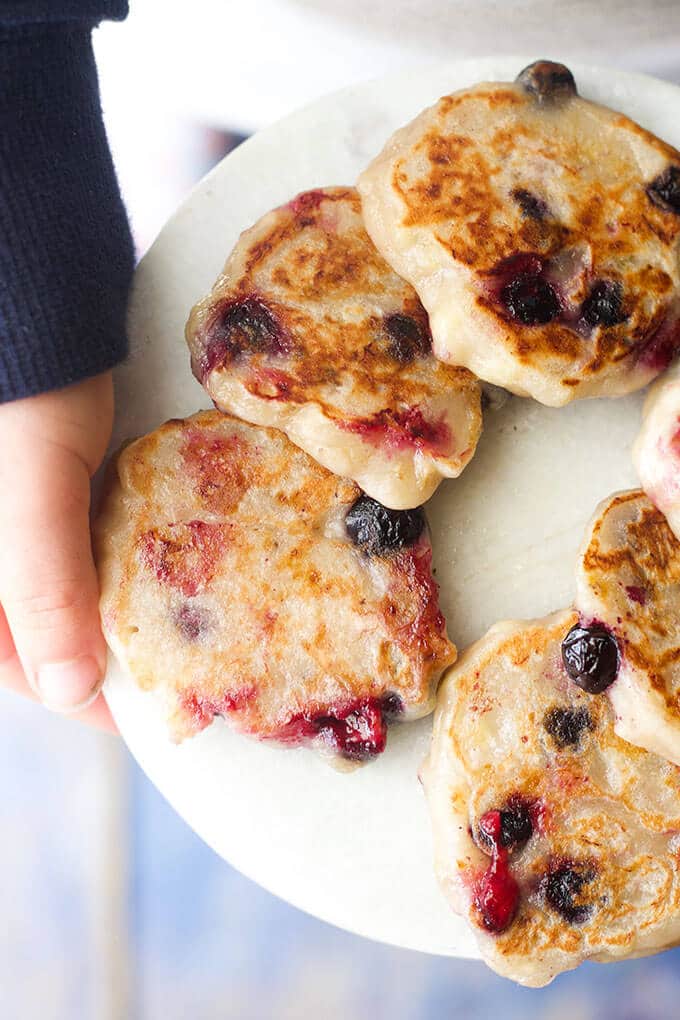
[50, 635]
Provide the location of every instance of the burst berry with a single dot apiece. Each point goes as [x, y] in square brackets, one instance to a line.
[591, 657]
[506, 828]
[664, 190]
[497, 896]
[378, 530]
[533, 207]
[602, 307]
[562, 889]
[239, 326]
[566, 726]
[408, 338]
[531, 300]
[547, 82]
[357, 732]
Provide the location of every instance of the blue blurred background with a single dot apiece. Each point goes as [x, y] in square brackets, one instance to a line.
[111, 909]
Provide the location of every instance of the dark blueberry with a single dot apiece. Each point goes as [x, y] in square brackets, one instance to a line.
[408, 339]
[506, 828]
[562, 888]
[377, 530]
[531, 205]
[531, 299]
[547, 81]
[516, 824]
[245, 325]
[602, 307]
[392, 706]
[664, 190]
[567, 725]
[591, 657]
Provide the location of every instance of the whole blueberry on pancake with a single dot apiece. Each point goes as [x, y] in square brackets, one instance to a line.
[628, 592]
[241, 579]
[656, 453]
[541, 232]
[310, 331]
[554, 838]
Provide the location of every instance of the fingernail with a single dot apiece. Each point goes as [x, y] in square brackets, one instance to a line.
[69, 686]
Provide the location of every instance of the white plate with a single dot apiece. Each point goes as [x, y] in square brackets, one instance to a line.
[355, 849]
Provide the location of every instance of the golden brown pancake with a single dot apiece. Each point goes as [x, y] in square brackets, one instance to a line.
[241, 579]
[541, 232]
[309, 330]
[628, 580]
[557, 840]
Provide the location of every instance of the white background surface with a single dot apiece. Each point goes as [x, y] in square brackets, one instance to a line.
[355, 850]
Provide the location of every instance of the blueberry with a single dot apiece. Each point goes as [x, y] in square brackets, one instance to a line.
[602, 307]
[664, 190]
[547, 82]
[591, 657]
[408, 339]
[392, 706]
[567, 725]
[246, 324]
[377, 530]
[533, 207]
[531, 299]
[506, 828]
[516, 824]
[562, 888]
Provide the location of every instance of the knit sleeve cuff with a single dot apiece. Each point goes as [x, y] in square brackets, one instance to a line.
[33, 12]
[66, 256]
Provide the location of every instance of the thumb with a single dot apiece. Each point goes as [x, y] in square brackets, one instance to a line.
[48, 583]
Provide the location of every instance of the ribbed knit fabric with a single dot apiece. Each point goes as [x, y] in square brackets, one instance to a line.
[66, 255]
[32, 12]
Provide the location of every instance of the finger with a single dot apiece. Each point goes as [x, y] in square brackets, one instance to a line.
[48, 584]
[13, 678]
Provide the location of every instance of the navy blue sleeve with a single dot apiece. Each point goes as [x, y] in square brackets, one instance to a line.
[66, 255]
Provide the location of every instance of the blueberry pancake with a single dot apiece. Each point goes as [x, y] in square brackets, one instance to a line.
[557, 840]
[241, 579]
[541, 232]
[310, 331]
[628, 594]
[656, 453]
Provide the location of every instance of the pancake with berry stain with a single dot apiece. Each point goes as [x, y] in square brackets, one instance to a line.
[241, 579]
[628, 594]
[656, 453]
[541, 232]
[310, 331]
[556, 839]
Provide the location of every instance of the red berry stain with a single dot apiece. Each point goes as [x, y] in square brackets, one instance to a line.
[496, 894]
[411, 607]
[636, 594]
[403, 430]
[675, 442]
[270, 384]
[307, 201]
[221, 468]
[202, 708]
[658, 350]
[183, 556]
[357, 731]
